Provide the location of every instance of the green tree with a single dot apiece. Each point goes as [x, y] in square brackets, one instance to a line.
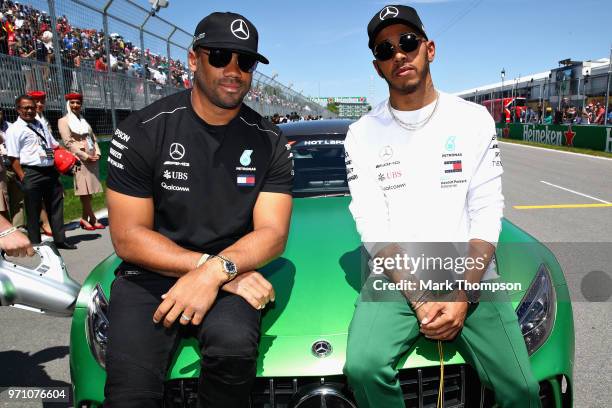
[332, 107]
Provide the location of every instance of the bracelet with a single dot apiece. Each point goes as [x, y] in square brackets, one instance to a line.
[419, 302]
[202, 260]
[7, 232]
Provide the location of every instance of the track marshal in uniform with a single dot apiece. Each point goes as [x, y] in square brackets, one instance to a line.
[199, 197]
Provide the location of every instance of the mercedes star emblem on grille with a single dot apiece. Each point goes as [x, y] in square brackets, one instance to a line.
[321, 348]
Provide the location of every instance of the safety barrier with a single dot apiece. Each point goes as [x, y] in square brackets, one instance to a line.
[588, 136]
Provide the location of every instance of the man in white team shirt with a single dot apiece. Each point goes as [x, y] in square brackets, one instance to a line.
[424, 166]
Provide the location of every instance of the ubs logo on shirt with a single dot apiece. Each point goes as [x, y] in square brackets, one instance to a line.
[175, 175]
[390, 175]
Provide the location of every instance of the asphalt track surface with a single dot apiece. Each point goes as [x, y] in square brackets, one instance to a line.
[34, 348]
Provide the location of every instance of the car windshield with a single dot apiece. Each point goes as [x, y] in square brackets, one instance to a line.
[319, 167]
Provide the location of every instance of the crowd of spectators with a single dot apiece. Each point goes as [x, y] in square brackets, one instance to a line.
[292, 117]
[27, 32]
[566, 114]
[270, 96]
[591, 114]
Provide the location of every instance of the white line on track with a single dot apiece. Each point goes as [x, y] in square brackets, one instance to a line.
[575, 192]
[556, 151]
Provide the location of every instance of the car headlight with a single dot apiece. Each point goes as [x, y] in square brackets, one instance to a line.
[536, 312]
[97, 324]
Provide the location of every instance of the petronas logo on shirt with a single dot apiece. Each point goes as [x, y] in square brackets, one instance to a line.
[245, 159]
[450, 144]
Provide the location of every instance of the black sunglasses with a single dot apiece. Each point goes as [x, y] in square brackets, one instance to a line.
[408, 42]
[220, 57]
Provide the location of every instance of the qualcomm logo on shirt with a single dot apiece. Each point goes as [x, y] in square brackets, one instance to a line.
[245, 159]
[174, 188]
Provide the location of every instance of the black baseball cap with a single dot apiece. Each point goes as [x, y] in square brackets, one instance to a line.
[393, 14]
[228, 31]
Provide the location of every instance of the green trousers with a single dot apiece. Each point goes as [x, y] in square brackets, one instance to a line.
[490, 341]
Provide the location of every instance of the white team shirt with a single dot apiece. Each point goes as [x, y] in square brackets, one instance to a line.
[24, 144]
[440, 183]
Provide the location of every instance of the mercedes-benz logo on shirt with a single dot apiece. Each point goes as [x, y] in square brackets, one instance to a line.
[388, 12]
[240, 29]
[386, 153]
[177, 151]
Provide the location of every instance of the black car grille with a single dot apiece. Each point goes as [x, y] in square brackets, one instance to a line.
[462, 389]
[420, 386]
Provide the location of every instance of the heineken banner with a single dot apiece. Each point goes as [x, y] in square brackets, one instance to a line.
[587, 137]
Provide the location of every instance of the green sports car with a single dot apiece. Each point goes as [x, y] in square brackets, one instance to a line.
[317, 279]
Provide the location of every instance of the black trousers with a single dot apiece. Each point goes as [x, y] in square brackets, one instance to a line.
[43, 184]
[139, 352]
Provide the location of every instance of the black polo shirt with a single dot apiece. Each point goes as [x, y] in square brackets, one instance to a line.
[204, 179]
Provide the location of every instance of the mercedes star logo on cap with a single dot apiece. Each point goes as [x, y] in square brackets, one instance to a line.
[240, 29]
[177, 151]
[388, 12]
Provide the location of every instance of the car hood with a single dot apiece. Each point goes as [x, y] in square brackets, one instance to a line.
[317, 281]
[317, 278]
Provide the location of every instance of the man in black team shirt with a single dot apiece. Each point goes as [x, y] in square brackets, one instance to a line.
[199, 196]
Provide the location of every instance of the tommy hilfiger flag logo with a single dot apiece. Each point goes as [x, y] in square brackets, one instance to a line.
[452, 166]
[245, 180]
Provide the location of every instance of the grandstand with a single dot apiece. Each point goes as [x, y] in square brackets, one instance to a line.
[139, 61]
[576, 82]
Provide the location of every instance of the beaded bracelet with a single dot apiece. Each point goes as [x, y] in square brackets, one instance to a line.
[202, 260]
[7, 232]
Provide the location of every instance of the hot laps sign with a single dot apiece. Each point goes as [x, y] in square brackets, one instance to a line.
[587, 137]
[320, 142]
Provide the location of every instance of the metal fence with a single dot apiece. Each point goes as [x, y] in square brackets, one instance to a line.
[117, 31]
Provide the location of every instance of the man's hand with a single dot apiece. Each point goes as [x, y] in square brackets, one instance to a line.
[191, 296]
[442, 320]
[253, 287]
[16, 244]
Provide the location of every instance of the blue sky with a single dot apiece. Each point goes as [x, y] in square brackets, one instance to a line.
[321, 46]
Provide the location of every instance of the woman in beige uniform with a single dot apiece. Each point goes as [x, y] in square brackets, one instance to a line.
[81, 141]
[4, 198]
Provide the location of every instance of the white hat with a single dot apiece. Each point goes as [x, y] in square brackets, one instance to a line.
[47, 36]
